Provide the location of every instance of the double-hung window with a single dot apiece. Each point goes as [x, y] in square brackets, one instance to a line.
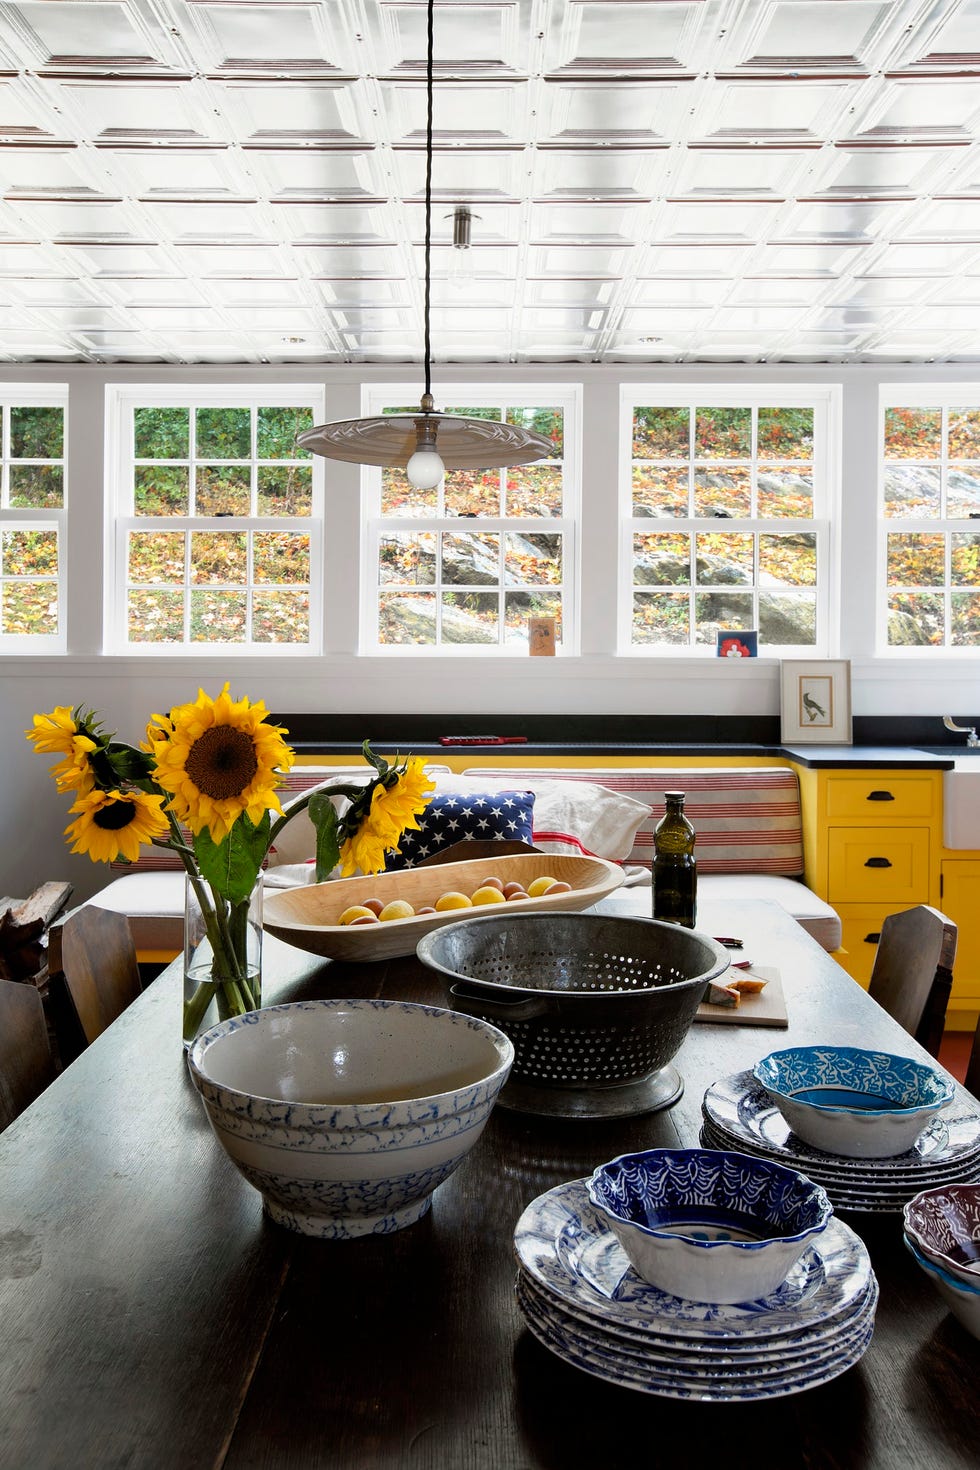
[33, 426]
[433, 584]
[215, 541]
[929, 522]
[727, 498]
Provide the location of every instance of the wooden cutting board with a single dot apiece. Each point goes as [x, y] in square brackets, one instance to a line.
[764, 1008]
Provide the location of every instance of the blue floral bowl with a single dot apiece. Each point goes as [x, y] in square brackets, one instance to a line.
[845, 1100]
[706, 1224]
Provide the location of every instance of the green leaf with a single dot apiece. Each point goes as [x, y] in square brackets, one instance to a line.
[232, 865]
[129, 764]
[377, 761]
[323, 815]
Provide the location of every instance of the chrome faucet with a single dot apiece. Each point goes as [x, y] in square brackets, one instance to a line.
[967, 730]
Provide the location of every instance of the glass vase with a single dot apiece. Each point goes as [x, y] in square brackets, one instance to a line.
[222, 956]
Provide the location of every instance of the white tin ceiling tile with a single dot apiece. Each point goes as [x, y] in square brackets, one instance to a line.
[30, 169]
[205, 172]
[857, 221]
[597, 174]
[795, 35]
[538, 318]
[231, 259]
[52, 292]
[475, 112]
[761, 172]
[350, 293]
[83, 318]
[123, 110]
[885, 290]
[603, 35]
[33, 260]
[571, 293]
[601, 224]
[192, 222]
[120, 260]
[946, 219]
[499, 224]
[706, 260]
[862, 170]
[758, 319]
[286, 174]
[723, 220]
[780, 290]
[814, 260]
[166, 318]
[346, 224]
[665, 319]
[673, 292]
[582, 260]
[903, 259]
[313, 38]
[946, 38]
[853, 318]
[73, 219]
[904, 346]
[956, 317]
[483, 37]
[468, 174]
[604, 113]
[294, 111]
[36, 342]
[450, 296]
[26, 116]
[134, 291]
[774, 111]
[481, 262]
[364, 261]
[964, 288]
[59, 35]
[924, 109]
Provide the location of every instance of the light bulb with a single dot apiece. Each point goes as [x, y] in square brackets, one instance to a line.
[425, 469]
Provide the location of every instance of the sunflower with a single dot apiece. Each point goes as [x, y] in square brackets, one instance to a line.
[393, 811]
[217, 758]
[61, 733]
[112, 824]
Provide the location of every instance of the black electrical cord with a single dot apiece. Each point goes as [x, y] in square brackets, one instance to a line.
[428, 190]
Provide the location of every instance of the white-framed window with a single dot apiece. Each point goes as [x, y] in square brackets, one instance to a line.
[728, 497]
[929, 520]
[431, 584]
[214, 536]
[33, 501]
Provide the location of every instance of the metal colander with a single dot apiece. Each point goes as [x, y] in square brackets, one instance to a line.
[595, 1005]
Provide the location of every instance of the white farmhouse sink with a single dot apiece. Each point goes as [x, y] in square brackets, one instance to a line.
[961, 798]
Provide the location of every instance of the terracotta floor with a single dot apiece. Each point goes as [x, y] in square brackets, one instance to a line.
[955, 1052]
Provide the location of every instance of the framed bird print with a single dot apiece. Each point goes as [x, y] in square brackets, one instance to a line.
[815, 701]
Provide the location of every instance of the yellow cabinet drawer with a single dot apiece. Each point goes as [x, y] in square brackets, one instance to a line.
[876, 796]
[860, 928]
[878, 865]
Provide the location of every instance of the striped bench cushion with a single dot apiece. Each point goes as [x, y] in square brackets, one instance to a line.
[747, 818]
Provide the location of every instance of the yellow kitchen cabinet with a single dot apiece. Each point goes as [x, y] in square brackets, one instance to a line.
[961, 903]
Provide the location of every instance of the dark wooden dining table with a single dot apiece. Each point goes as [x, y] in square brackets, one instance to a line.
[151, 1316]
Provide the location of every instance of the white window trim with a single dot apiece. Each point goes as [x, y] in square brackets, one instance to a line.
[120, 401]
[914, 395]
[23, 518]
[825, 399]
[569, 397]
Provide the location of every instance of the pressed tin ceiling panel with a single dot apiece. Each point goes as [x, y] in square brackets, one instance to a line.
[194, 181]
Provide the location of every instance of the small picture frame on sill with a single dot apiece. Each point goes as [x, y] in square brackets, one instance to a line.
[815, 701]
[736, 643]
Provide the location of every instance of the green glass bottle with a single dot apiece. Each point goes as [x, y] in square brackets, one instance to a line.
[675, 874]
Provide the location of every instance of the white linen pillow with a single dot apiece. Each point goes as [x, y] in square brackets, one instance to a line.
[581, 818]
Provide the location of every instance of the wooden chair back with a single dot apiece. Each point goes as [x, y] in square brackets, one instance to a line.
[92, 952]
[26, 1063]
[972, 1079]
[913, 972]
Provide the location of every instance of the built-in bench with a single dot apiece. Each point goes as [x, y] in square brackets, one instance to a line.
[747, 818]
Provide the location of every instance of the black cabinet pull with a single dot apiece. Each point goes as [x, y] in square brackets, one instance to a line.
[871, 938]
[880, 796]
[878, 863]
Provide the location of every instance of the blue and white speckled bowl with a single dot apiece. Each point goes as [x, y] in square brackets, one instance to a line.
[845, 1100]
[706, 1224]
[347, 1114]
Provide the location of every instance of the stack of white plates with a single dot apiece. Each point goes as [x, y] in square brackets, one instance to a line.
[582, 1299]
[738, 1113]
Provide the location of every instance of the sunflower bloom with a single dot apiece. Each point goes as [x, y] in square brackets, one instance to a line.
[218, 758]
[112, 824]
[60, 733]
[393, 811]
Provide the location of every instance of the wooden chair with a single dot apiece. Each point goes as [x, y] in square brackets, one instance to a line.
[94, 974]
[913, 972]
[972, 1079]
[26, 1063]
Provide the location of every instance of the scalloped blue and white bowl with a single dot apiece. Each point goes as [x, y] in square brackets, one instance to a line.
[846, 1100]
[706, 1224]
[962, 1298]
[346, 1114]
[944, 1223]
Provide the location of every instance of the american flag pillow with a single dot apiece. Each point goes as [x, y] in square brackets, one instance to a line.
[482, 816]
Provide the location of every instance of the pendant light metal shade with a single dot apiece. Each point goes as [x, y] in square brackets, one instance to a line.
[433, 441]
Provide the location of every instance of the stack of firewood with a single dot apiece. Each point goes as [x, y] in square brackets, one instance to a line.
[23, 929]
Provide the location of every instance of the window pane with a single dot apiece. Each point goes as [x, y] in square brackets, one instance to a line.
[37, 432]
[661, 617]
[519, 606]
[785, 433]
[786, 492]
[30, 608]
[786, 618]
[155, 617]
[39, 486]
[285, 490]
[219, 557]
[964, 433]
[724, 559]
[161, 490]
[546, 421]
[963, 492]
[282, 616]
[277, 430]
[964, 559]
[218, 617]
[659, 490]
[661, 433]
[723, 433]
[913, 433]
[26, 553]
[161, 433]
[916, 619]
[472, 493]
[407, 618]
[716, 612]
[156, 556]
[469, 560]
[724, 493]
[532, 560]
[788, 561]
[280, 556]
[222, 492]
[399, 499]
[911, 492]
[469, 617]
[916, 560]
[407, 558]
[534, 490]
[965, 615]
[662, 559]
[223, 433]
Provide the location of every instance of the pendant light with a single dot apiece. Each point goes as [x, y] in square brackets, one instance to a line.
[427, 443]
